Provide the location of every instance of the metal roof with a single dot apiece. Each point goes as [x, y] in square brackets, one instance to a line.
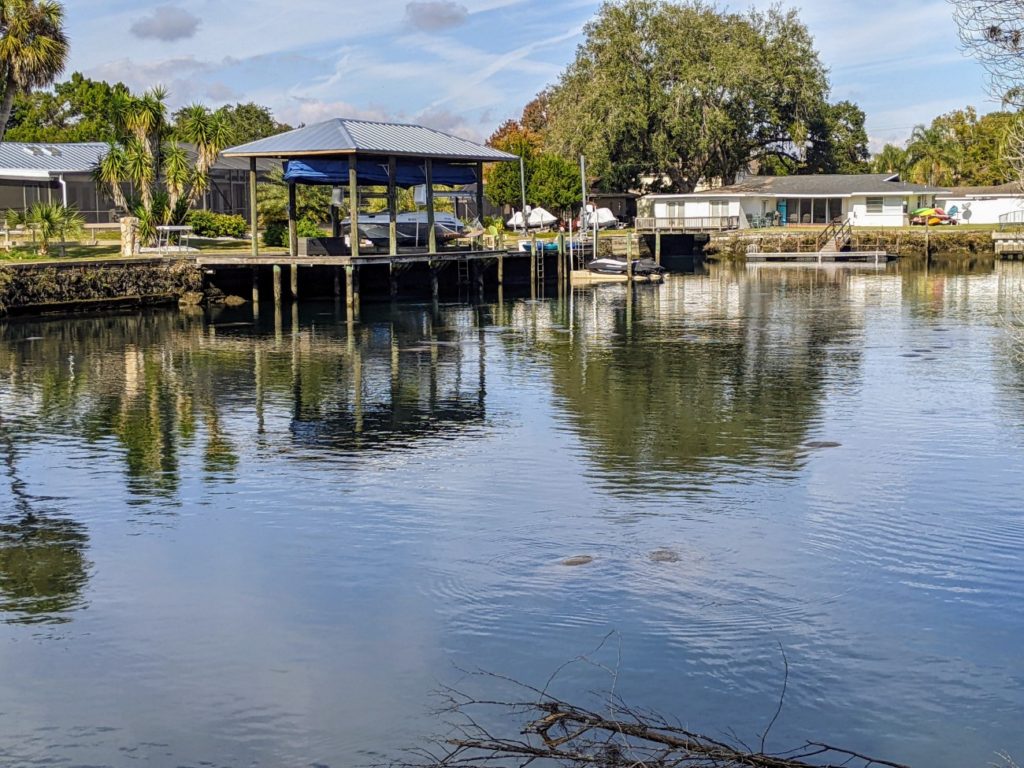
[341, 136]
[43, 160]
[818, 185]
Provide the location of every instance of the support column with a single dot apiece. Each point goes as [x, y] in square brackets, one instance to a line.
[434, 289]
[561, 259]
[501, 270]
[629, 258]
[355, 291]
[431, 234]
[253, 216]
[481, 267]
[353, 204]
[393, 281]
[277, 284]
[657, 247]
[255, 285]
[393, 205]
[350, 297]
[337, 281]
[294, 274]
[293, 230]
[533, 267]
[480, 200]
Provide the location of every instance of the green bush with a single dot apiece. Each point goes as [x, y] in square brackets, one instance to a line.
[210, 224]
[276, 233]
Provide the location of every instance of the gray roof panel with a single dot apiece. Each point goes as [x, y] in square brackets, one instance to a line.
[52, 158]
[341, 136]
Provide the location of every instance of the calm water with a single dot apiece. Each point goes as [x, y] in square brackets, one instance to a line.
[227, 543]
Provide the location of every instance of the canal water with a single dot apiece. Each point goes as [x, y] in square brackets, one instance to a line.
[228, 541]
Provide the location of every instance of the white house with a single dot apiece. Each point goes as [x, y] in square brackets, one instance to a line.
[867, 200]
[985, 205]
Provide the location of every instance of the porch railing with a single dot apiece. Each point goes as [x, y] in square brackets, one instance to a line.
[687, 223]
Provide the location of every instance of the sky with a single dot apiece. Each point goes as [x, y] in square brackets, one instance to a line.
[464, 66]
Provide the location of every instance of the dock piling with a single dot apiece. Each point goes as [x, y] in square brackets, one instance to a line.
[277, 284]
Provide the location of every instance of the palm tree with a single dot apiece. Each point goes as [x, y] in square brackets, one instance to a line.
[50, 220]
[932, 154]
[33, 48]
[891, 159]
[209, 133]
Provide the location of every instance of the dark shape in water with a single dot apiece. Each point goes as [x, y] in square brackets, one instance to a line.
[578, 560]
[822, 444]
[664, 556]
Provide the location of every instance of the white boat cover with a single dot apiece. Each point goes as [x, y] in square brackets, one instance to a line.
[537, 219]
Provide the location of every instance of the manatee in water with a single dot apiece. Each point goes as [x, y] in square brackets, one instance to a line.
[822, 444]
[578, 560]
[664, 556]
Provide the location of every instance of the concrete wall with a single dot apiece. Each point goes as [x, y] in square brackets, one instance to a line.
[981, 210]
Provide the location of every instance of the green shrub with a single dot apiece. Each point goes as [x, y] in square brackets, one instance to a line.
[210, 224]
[276, 233]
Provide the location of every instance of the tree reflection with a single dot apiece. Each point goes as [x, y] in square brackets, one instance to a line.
[43, 569]
[700, 377]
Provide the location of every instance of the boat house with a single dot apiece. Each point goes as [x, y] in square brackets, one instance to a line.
[364, 160]
[866, 200]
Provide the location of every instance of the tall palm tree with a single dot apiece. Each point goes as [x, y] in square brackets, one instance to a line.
[933, 155]
[33, 48]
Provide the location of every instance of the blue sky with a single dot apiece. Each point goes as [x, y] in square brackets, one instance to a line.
[466, 65]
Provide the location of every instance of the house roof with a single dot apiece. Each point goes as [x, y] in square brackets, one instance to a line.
[819, 185]
[42, 161]
[342, 136]
[46, 160]
[1012, 189]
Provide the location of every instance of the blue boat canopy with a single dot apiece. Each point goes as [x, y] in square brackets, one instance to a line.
[374, 172]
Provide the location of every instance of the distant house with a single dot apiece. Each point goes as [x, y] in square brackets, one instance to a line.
[64, 173]
[985, 205]
[869, 200]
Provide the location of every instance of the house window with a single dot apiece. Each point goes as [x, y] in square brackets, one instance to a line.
[719, 208]
[875, 205]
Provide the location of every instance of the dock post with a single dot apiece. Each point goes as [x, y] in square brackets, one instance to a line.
[294, 274]
[337, 282]
[428, 170]
[277, 284]
[393, 281]
[657, 248]
[433, 280]
[353, 206]
[255, 285]
[293, 231]
[629, 258]
[349, 289]
[560, 267]
[533, 267]
[355, 291]
[392, 205]
[501, 270]
[253, 213]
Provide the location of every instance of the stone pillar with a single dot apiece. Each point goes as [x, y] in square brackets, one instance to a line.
[130, 245]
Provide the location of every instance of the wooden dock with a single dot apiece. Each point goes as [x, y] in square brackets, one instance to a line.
[820, 257]
[1009, 244]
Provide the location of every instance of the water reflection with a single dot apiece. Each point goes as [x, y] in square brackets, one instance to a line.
[699, 377]
[299, 524]
[43, 568]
